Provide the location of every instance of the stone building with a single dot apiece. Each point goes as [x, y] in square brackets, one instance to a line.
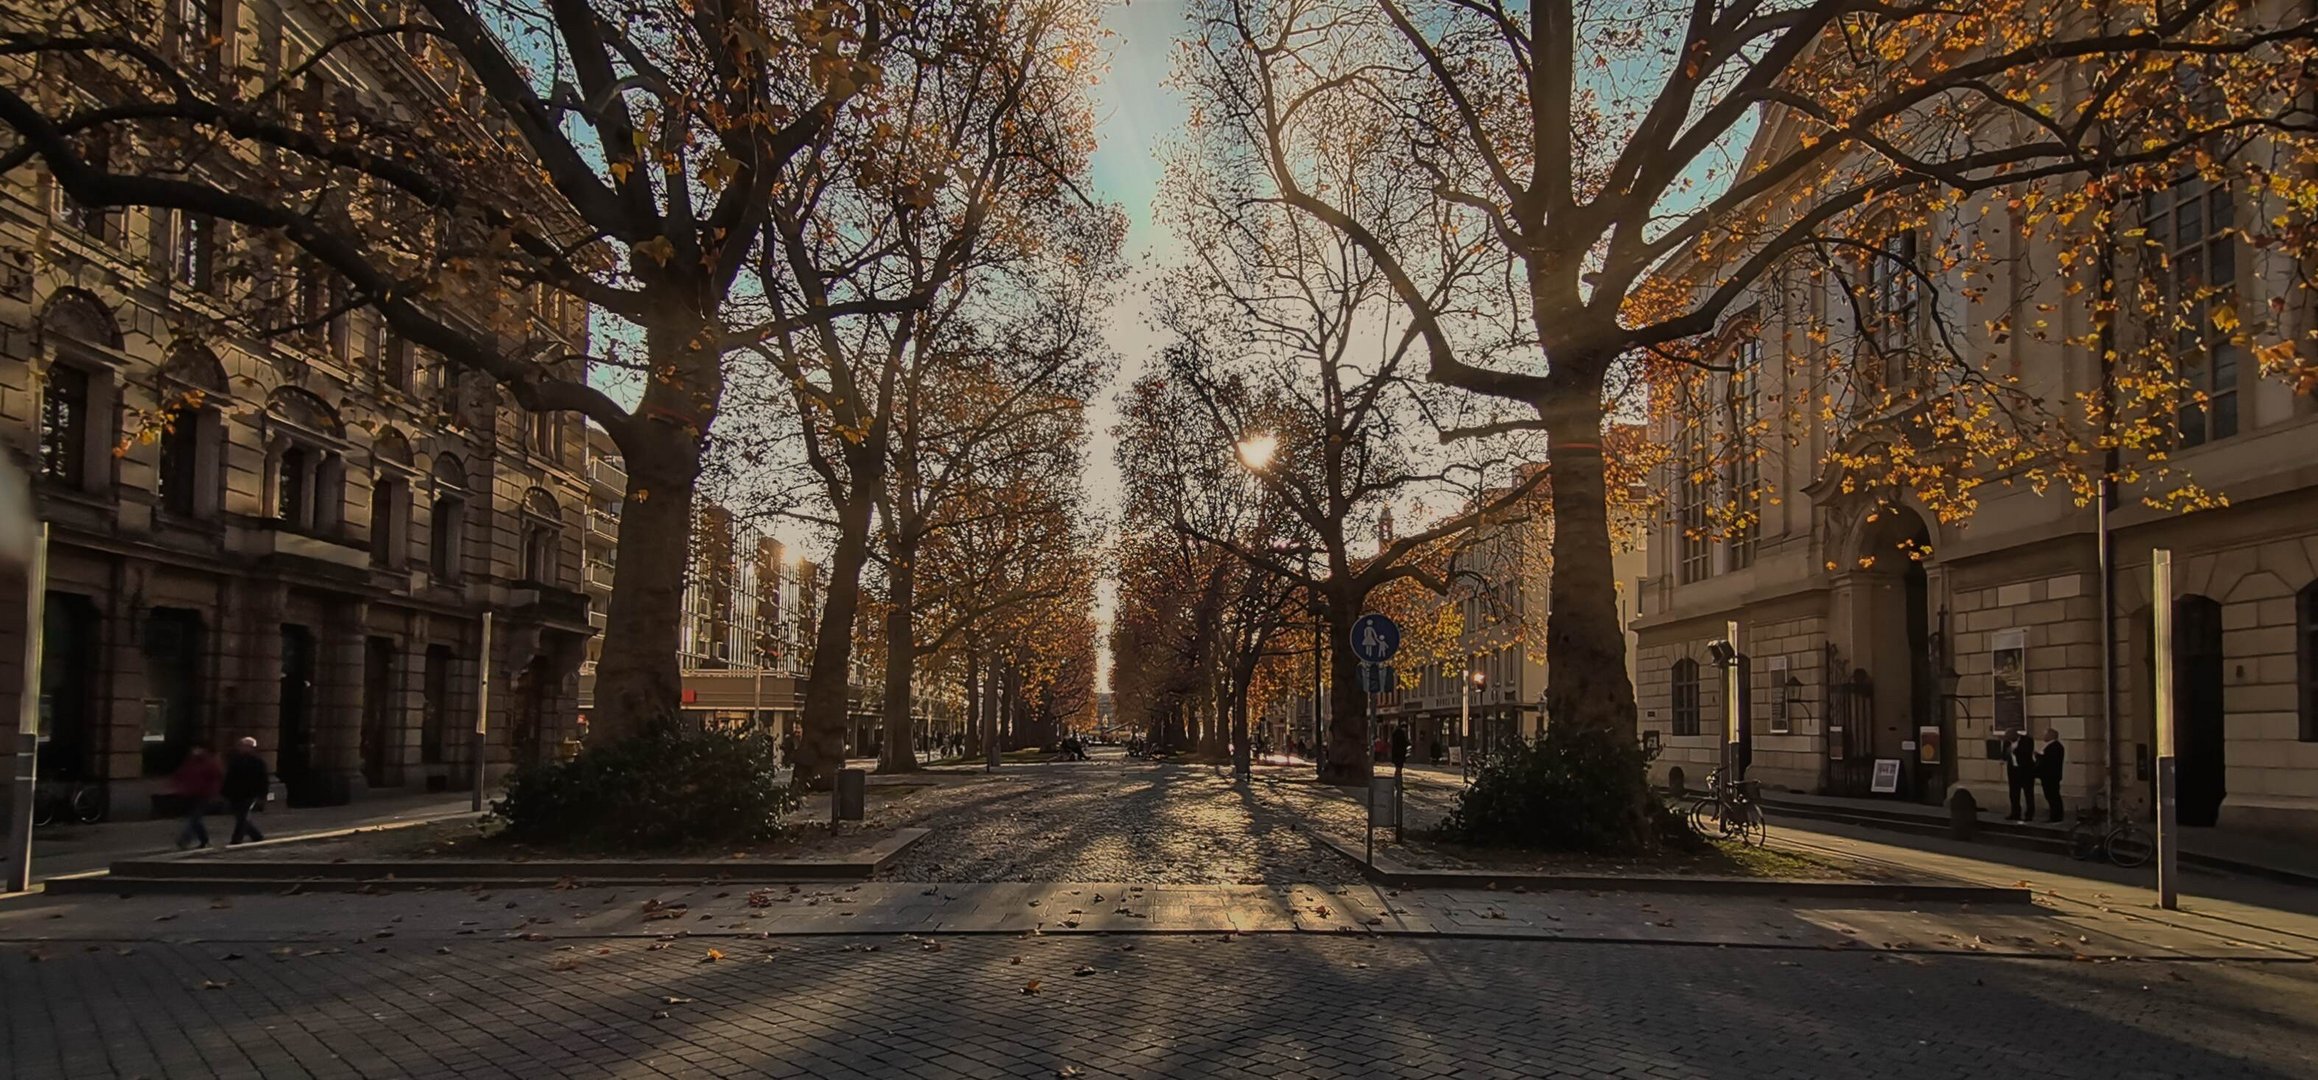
[1888, 651]
[293, 537]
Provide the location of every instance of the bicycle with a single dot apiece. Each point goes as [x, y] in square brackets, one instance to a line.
[1727, 812]
[2122, 842]
[68, 800]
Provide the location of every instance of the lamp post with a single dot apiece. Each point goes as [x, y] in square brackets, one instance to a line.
[1474, 679]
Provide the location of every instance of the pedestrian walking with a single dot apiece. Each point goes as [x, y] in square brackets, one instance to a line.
[2020, 775]
[244, 788]
[197, 781]
[2048, 766]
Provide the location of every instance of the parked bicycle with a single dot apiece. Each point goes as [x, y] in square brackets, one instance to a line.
[1727, 811]
[68, 800]
[2120, 842]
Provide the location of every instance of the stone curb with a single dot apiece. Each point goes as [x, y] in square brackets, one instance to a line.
[1385, 871]
[238, 875]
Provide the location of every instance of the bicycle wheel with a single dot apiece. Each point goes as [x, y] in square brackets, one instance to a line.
[1752, 829]
[1703, 815]
[88, 804]
[2084, 840]
[44, 809]
[2129, 846]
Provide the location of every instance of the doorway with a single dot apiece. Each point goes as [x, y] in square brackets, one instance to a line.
[172, 688]
[294, 758]
[2201, 766]
[69, 646]
[435, 728]
[378, 712]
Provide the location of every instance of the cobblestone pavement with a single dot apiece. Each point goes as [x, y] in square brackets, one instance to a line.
[1108, 820]
[1144, 1006]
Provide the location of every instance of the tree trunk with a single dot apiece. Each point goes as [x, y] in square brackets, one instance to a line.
[901, 656]
[1347, 760]
[638, 686]
[974, 710]
[1242, 760]
[1585, 648]
[821, 752]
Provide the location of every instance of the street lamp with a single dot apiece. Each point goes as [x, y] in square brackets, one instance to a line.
[1475, 679]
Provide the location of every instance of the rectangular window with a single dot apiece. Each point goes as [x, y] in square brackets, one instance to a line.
[291, 484]
[201, 37]
[2191, 225]
[394, 357]
[1745, 479]
[1781, 721]
[64, 425]
[1893, 307]
[193, 254]
[101, 224]
[1693, 538]
[181, 464]
[1685, 697]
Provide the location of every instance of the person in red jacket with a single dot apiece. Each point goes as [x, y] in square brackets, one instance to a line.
[198, 781]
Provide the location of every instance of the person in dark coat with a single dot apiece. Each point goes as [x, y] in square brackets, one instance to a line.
[197, 782]
[2020, 774]
[2049, 760]
[245, 788]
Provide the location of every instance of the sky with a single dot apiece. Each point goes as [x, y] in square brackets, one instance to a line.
[1135, 114]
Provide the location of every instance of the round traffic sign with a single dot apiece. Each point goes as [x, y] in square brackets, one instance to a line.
[1375, 638]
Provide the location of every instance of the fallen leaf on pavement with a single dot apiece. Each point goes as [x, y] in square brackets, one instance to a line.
[1030, 987]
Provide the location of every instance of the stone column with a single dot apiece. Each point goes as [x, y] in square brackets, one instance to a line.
[249, 651]
[338, 699]
[117, 706]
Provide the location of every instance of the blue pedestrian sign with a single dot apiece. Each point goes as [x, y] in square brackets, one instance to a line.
[1375, 638]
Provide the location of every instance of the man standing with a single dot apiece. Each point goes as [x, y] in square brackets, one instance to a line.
[245, 788]
[2048, 766]
[2020, 774]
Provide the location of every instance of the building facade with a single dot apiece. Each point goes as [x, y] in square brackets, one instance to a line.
[1889, 652]
[294, 537]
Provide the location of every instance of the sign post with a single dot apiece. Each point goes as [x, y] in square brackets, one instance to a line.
[482, 710]
[1375, 638]
[27, 779]
[2161, 657]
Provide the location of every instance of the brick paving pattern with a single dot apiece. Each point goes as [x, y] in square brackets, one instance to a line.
[1143, 1006]
[1109, 820]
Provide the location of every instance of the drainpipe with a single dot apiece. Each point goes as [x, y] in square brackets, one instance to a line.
[2105, 263]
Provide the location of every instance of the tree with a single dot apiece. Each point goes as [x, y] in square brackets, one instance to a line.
[965, 194]
[1585, 157]
[1295, 357]
[623, 154]
[981, 518]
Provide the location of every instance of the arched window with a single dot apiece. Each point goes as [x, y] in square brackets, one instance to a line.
[2306, 633]
[76, 394]
[1685, 690]
[390, 463]
[446, 546]
[309, 480]
[192, 435]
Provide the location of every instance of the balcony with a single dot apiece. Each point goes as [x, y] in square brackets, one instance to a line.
[599, 575]
[275, 540]
[607, 475]
[602, 523]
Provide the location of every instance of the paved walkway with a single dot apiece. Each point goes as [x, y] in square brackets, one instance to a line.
[1202, 976]
[2286, 855]
[1145, 1007]
[65, 850]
